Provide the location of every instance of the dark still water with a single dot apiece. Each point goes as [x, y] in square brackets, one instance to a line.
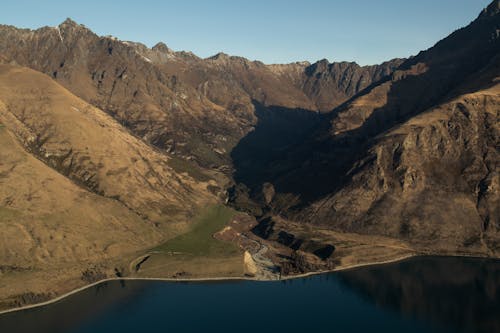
[418, 295]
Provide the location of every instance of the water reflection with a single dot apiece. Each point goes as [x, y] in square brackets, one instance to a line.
[462, 293]
[68, 314]
[418, 295]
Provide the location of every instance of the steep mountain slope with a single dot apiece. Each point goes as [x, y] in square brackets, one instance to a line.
[433, 180]
[388, 159]
[89, 147]
[48, 220]
[90, 183]
[53, 230]
[330, 84]
[414, 156]
[197, 108]
[317, 87]
[111, 75]
[79, 195]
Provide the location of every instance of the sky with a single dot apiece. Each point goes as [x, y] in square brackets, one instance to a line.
[272, 31]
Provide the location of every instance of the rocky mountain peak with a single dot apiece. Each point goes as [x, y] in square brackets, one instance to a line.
[162, 47]
[69, 27]
[220, 56]
[304, 63]
[69, 23]
[319, 66]
[492, 9]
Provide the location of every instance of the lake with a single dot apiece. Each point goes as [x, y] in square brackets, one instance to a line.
[424, 294]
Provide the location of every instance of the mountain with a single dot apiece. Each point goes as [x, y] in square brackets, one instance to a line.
[77, 189]
[111, 75]
[330, 84]
[414, 156]
[117, 147]
[196, 108]
[115, 155]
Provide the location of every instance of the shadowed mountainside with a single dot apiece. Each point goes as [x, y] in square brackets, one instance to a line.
[337, 161]
[414, 156]
[136, 142]
[196, 108]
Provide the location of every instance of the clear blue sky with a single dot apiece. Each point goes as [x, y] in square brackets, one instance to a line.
[273, 31]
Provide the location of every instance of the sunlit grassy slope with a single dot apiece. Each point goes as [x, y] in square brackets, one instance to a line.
[200, 241]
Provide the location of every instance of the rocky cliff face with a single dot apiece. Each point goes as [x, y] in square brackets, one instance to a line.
[433, 180]
[317, 87]
[115, 77]
[407, 149]
[330, 84]
[414, 156]
[196, 108]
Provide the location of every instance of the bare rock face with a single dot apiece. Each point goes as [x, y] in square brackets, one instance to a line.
[249, 264]
[329, 85]
[433, 177]
[196, 108]
[433, 181]
[492, 9]
[406, 149]
[414, 156]
[115, 77]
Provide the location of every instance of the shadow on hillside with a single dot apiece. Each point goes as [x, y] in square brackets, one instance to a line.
[277, 132]
[293, 150]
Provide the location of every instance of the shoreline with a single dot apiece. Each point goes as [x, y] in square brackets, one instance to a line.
[233, 278]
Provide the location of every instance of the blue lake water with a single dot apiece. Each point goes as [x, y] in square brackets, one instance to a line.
[426, 294]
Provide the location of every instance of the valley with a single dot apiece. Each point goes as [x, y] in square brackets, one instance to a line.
[120, 161]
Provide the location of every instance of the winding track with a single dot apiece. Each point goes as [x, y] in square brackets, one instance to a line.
[267, 270]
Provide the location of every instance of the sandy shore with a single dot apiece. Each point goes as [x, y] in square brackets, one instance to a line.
[242, 278]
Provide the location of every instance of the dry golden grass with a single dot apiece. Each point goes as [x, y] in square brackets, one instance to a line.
[94, 150]
[45, 217]
[77, 190]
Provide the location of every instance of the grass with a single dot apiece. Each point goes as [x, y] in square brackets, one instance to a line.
[205, 154]
[180, 166]
[200, 241]
[8, 214]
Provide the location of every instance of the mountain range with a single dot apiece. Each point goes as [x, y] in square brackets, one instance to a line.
[110, 148]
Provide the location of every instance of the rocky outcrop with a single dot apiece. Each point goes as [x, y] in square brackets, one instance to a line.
[433, 178]
[115, 76]
[413, 156]
[196, 108]
[433, 181]
[331, 84]
[409, 151]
